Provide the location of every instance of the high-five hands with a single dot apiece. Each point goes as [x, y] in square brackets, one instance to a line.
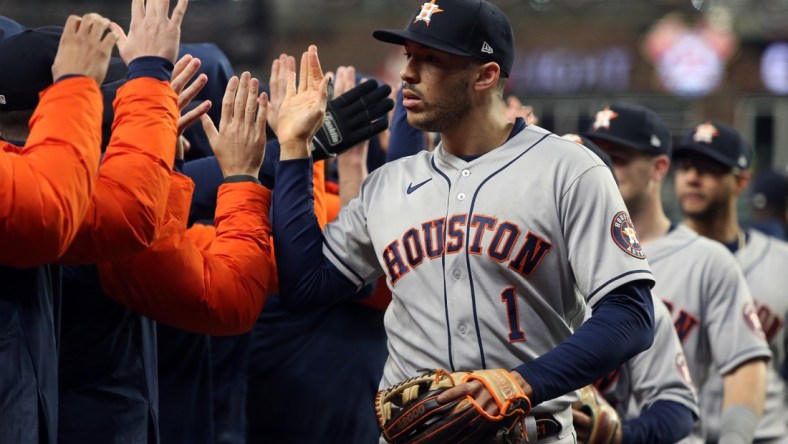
[151, 32]
[303, 108]
[85, 48]
[239, 143]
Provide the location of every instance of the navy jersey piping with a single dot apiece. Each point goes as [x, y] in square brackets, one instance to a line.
[334, 253]
[468, 239]
[443, 268]
[615, 279]
[760, 258]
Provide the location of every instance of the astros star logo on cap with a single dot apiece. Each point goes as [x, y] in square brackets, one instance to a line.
[604, 117]
[705, 133]
[427, 9]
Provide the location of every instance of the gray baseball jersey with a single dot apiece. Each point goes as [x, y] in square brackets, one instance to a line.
[659, 373]
[764, 261]
[714, 315]
[491, 261]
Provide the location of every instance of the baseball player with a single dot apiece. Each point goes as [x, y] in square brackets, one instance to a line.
[712, 165]
[492, 244]
[702, 284]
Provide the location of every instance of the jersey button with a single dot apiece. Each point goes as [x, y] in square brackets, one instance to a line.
[457, 274]
[461, 196]
[466, 173]
[462, 329]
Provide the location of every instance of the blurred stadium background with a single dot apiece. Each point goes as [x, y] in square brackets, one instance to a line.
[686, 59]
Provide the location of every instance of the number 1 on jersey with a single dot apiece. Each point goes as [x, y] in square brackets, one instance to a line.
[509, 297]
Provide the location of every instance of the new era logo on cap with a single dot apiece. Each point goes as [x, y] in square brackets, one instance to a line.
[486, 48]
[2, 99]
[655, 141]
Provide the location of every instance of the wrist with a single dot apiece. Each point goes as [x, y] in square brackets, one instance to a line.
[293, 149]
[241, 172]
[523, 383]
[241, 178]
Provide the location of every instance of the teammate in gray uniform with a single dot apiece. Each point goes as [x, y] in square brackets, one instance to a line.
[712, 164]
[652, 393]
[698, 279]
[492, 244]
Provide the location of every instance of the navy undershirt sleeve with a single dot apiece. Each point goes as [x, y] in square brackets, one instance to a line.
[150, 66]
[663, 421]
[306, 277]
[621, 326]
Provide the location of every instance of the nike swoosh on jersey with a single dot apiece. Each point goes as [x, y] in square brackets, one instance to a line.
[412, 188]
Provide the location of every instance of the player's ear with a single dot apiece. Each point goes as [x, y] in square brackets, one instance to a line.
[742, 181]
[661, 167]
[487, 76]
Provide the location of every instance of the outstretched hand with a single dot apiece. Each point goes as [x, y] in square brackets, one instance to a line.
[281, 69]
[85, 48]
[151, 32]
[304, 107]
[239, 143]
[183, 72]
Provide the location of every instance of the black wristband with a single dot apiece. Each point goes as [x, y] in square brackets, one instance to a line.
[241, 178]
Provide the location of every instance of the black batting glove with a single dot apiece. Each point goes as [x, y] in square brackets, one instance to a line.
[357, 115]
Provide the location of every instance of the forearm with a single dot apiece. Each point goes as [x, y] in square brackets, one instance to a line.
[48, 184]
[352, 172]
[662, 422]
[742, 403]
[306, 277]
[621, 326]
[129, 203]
[218, 290]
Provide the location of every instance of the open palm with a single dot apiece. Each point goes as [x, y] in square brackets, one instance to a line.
[304, 106]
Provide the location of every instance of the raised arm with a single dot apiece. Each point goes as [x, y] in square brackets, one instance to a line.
[48, 183]
[128, 206]
[189, 279]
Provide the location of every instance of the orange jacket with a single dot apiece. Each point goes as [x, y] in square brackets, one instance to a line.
[200, 280]
[47, 185]
[130, 199]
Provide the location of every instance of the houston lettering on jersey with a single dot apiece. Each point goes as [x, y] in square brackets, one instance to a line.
[485, 235]
[685, 322]
[771, 322]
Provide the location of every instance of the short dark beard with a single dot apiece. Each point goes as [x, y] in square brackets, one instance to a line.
[713, 211]
[448, 111]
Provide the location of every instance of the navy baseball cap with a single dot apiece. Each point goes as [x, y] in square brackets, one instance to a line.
[9, 27]
[719, 141]
[586, 142]
[769, 189]
[27, 59]
[471, 28]
[633, 126]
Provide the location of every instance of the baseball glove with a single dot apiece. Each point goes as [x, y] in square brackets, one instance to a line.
[604, 419]
[410, 413]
